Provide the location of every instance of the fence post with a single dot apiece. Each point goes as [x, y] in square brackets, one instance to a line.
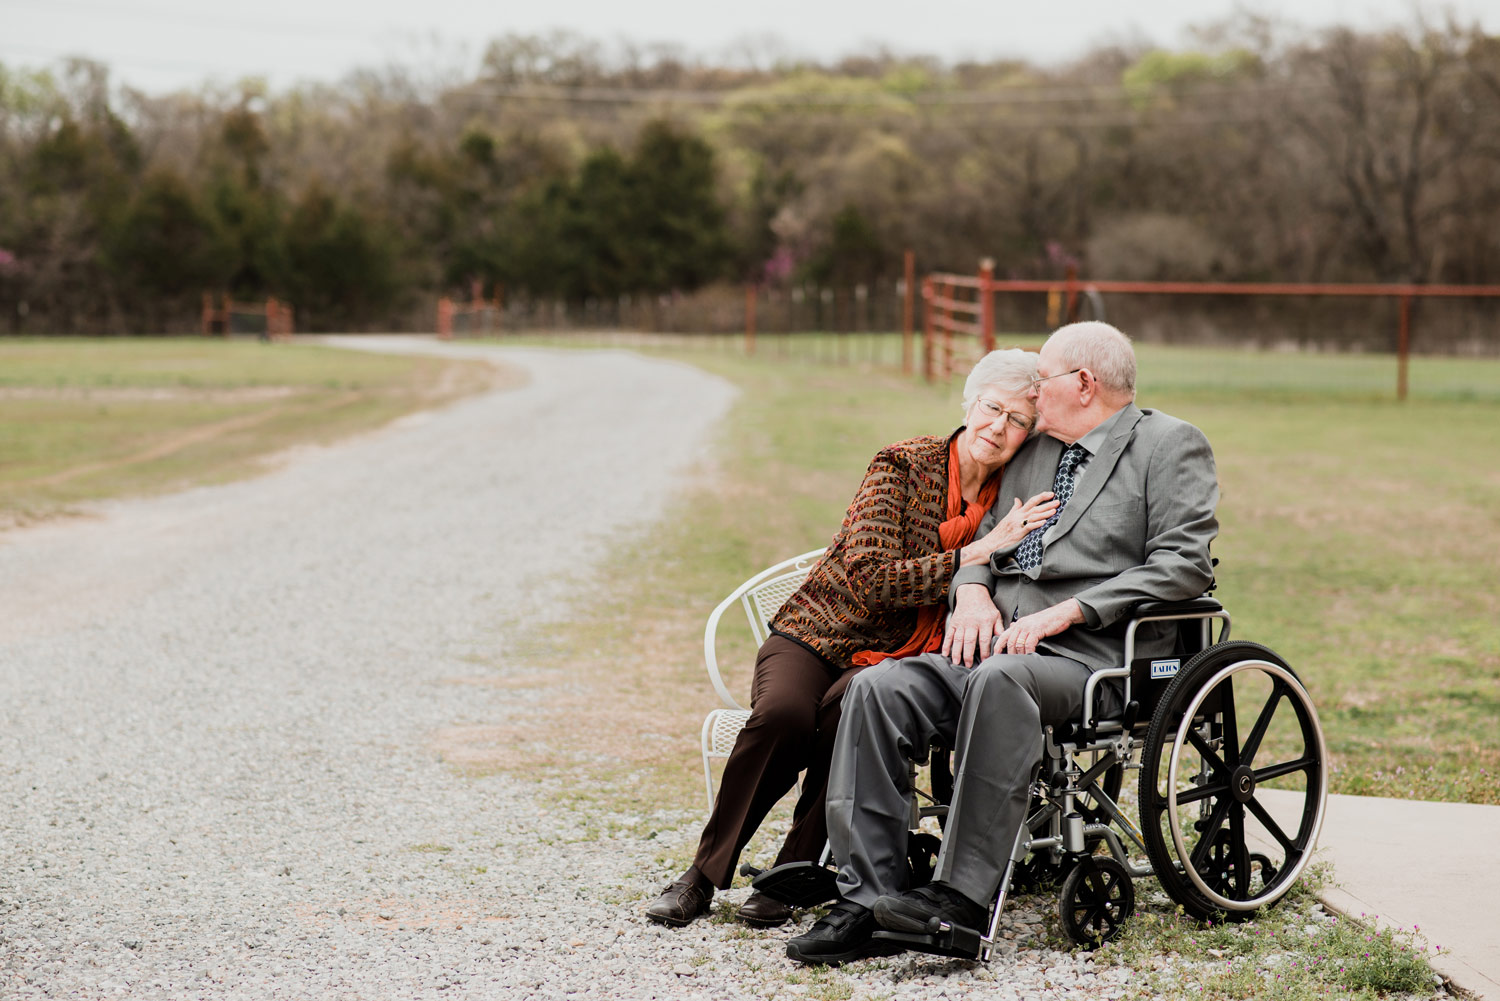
[1403, 346]
[949, 293]
[445, 319]
[927, 324]
[908, 301]
[476, 306]
[1070, 287]
[208, 313]
[986, 304]
[750, 296]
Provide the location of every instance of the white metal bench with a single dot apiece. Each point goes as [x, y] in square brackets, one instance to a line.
[761, 597]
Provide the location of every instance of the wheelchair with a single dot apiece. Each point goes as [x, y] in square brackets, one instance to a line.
[1230, 796]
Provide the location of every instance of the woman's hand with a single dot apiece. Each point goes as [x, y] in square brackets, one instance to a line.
[1015, 526]
[1023, 519]
[971, 626]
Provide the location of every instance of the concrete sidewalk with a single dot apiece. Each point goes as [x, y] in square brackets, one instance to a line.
[1431, 866]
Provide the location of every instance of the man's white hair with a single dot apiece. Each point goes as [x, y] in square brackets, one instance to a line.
[1102, 349]
[1010, 372]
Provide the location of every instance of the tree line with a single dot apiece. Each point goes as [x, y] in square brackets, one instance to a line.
[562, 171]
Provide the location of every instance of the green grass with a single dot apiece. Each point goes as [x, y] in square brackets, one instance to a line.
[1358, 539]
[87, 419]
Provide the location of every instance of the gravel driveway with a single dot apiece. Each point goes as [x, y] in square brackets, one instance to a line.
[215, 772]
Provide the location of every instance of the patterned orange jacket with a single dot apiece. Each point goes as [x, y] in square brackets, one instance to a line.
[883, 564]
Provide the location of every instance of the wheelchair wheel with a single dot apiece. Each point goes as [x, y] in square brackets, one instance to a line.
[1234, 779]
[1096, 898]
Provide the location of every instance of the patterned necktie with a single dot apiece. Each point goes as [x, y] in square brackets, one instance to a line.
[1029, 552]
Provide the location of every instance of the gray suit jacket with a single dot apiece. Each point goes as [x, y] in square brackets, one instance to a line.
[1137, 529]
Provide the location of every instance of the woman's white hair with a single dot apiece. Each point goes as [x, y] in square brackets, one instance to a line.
[1010, 371]
[1102, 349]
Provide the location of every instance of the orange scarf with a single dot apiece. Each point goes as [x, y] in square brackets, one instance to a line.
[958, 530]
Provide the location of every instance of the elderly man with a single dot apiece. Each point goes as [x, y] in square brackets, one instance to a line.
[1138, 491]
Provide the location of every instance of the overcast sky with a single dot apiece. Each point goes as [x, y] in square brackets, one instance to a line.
[160, 45]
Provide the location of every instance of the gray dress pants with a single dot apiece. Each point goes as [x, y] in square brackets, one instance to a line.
[992, 718]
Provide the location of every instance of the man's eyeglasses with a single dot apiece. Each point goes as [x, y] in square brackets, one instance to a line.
[1038, 381]
[993, 411]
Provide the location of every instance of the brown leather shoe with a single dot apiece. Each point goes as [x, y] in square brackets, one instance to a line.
[682, 901]
[763, 912]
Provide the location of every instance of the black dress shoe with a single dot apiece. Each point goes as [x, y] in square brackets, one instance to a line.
[764, 912]
[840, 936]
[913, 912]
[682, 901]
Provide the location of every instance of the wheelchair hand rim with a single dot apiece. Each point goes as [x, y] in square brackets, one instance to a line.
[1285, 880]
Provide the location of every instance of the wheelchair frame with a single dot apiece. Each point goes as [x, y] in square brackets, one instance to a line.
[1208, 865]
[1211, 876]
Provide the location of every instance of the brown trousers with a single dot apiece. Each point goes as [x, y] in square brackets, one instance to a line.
[795, 702]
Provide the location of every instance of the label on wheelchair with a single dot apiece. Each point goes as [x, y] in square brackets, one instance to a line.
[1149, 678]
[1165, 668]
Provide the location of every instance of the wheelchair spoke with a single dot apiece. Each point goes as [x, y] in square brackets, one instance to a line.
[1229, 722]
[1285, 768]
[1262, 722]
[1270, 824]
[1196, 793]
[1209, 754]
[1238, 855]
[1104, 921]
[1205, 845]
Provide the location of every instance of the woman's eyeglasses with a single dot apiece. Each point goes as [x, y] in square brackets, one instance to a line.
[993, 411]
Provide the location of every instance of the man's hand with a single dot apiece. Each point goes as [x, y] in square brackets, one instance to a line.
[971, 625]
[1026, 632]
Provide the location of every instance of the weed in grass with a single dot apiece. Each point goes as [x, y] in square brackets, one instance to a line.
[725, 913]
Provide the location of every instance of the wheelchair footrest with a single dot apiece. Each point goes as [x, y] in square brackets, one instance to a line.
[798, 884]
[955, 940]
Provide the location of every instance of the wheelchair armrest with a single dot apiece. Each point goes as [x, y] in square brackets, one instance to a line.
[1190, 607]
[1204, 607]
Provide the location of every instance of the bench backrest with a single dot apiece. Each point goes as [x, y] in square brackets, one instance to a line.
[761, 597]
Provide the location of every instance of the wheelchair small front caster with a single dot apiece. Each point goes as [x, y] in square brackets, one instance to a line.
[1096, 898]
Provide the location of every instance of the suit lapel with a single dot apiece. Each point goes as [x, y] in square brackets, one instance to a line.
[1031, 472]
[1097, 473]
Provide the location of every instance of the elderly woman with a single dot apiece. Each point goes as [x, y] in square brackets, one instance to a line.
[880, 591]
